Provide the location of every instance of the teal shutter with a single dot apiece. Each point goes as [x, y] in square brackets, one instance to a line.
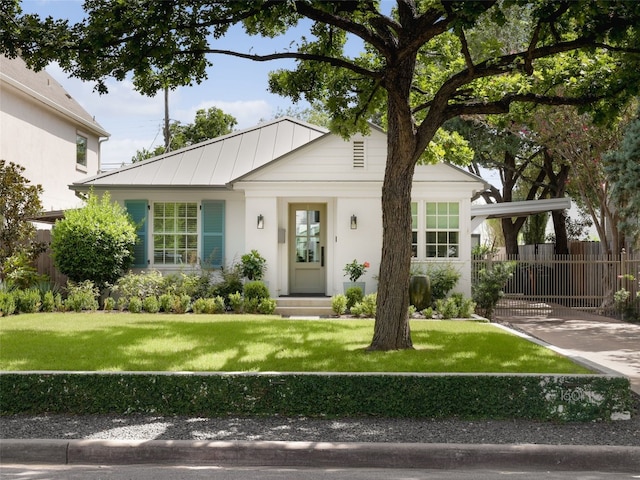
[213, 232]
[138, 210]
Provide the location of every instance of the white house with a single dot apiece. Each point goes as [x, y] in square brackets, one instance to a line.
[43, 129]
[306, 199]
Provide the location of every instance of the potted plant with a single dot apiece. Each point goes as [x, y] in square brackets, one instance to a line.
[354, 271]
[253, 265]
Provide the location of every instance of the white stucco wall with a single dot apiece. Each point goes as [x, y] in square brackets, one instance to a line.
[34, 136]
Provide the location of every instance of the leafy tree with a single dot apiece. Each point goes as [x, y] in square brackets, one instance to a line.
[95, 242]
[207, 124]
[416, 72]
[577, 144]
[622, 168]
[19, 200]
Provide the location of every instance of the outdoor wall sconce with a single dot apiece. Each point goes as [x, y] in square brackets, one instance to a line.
[354, 222]
[260, 222]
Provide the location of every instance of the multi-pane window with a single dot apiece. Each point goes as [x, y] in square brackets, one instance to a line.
[81, 150]
[175, 232]
[442, 228]
[435, 230]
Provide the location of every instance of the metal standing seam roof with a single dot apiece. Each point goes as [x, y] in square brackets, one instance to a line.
[215, 162]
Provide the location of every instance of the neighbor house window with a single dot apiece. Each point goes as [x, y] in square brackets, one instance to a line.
[442, 229]
[414, 229]
[175, 232]
[81, 150]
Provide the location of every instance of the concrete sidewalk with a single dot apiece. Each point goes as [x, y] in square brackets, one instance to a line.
[601, 340]
[322, 455]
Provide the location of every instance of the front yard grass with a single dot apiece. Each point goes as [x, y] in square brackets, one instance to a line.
[234, 343]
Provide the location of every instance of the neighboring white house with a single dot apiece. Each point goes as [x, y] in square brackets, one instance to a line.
[306, 199]
[46, 131]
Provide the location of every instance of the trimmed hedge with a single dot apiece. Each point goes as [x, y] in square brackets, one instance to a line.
[541, 397]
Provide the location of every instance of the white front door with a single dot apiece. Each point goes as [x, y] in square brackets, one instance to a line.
[307, 227]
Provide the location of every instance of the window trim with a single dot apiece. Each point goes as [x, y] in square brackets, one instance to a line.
[79, 164]
[420, 232]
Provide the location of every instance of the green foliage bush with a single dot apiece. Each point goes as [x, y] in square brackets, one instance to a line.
[135, 305]
[253, 265]
[539, 397]
[28, 301]
[140, 285]
[255, 290]
[231, 283]
[81, 296]
[181, 303]
[109, 304]
[151, 304]
[366, 307]
[7, 303]
[165, 302]
[20, 272]
[488, 288]
[456, 306]
[339, 304]
[209, 305]
[267, 306]
[235, 301]
[354, 295]
[443, 279]
[94, 242]
[49, 302]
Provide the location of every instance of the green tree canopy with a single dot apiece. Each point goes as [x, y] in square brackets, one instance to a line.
[417, 70]
[209, 123]
[622, 168]
[19, 201]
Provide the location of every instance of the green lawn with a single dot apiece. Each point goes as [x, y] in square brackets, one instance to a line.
[141, 342]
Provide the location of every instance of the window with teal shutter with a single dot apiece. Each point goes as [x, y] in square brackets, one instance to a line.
[213, 233]
[138, 210]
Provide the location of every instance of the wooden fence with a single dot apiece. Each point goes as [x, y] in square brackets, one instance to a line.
[45, 264]
[543, 281]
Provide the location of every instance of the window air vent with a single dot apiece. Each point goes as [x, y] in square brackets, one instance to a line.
[358, 154]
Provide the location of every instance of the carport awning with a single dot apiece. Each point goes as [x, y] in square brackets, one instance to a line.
[479, 213]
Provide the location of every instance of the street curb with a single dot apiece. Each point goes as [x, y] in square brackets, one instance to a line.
[624, 459]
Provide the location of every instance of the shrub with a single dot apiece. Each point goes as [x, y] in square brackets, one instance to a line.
[442, 278]
[230, 284]
[339, 304]
[250, 305]
[427, 312]
[367, 307]
[109, 304]
[81, 296]
[235, 301]
[181, 303]
[28, 301]
[267, 306]
[151, 304]
[139, 285]
[253, 265]
[123, 303]
[447, 308]
[49, 302]
[166, 302]
[135, 305]
[94, 242]
[195, 285]
[7, 303]
[255, 290]
[20, 272]
[199, 306]
[487, 290]
[354, 295]
[456, 306]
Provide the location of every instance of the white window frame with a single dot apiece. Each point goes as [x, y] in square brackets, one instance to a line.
[172, 230]
[444, 227]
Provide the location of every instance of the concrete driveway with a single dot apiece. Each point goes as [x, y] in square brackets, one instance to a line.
[605, 341]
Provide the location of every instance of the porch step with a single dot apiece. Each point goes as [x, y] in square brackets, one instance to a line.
[304, 306]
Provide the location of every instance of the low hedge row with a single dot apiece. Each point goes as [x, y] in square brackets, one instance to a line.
[542, 397]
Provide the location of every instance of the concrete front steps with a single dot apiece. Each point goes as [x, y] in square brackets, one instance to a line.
[304, 306]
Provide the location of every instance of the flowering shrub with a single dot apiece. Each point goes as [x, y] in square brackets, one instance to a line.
[355, 270]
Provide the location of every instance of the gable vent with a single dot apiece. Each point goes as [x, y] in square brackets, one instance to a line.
[358, 154]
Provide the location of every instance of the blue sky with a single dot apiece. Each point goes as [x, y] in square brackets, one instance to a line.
[237, 86]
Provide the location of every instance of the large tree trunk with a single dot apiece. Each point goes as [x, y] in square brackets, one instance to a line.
[391, 329]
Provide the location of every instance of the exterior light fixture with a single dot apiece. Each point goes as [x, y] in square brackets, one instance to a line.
[260, 222]
[354, 222]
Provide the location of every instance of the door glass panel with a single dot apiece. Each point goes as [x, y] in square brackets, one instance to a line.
[307, 236]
